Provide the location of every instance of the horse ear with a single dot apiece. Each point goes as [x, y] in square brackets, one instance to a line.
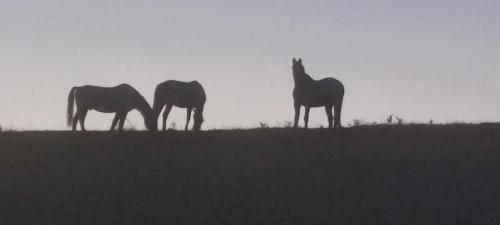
[294, 61]
[300, 61]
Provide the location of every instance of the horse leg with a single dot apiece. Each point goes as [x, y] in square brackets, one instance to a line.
[122, 121]
[306, 116]
[115, 121]
[83, 115]
[165, 116]
[188, 118]
[297, 114]
[328, 110]
[76, 117]
[338, 111]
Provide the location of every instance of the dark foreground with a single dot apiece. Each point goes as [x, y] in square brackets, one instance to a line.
[366, 175]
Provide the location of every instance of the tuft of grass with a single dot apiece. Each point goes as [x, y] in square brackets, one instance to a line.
[389, 119]
[400, 120]
[358, 122]
[263, 125]
[131, 126]
[287, 124]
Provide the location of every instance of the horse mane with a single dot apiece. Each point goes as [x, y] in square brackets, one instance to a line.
[142, 104]
[307, 77]
[144, 107]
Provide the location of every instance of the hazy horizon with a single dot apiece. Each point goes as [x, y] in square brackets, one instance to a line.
[419, 60]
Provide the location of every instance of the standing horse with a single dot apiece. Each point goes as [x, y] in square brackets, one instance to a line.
[327, 92]
[120, 100]
[189, 95]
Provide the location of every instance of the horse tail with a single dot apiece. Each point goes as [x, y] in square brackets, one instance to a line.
[71, 101]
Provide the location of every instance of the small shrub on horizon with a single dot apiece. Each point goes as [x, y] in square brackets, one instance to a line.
[357, 122]
[263, 125]
[389, 119]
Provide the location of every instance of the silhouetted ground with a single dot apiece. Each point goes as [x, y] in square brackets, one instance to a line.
[365, 175]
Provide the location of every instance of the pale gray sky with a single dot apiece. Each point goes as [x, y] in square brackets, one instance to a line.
[424, 59]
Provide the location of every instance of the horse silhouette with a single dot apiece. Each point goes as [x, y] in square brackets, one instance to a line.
[327, 92]
[189, 95]
[120, 100]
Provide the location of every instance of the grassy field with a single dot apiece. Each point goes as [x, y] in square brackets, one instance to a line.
[443, 174]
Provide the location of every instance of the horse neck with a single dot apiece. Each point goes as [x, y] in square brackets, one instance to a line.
[157, 105]
[302, 79]
[142, 106]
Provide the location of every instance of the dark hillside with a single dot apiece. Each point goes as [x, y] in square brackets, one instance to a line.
[365, 175]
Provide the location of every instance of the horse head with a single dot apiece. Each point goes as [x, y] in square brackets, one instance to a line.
[198, 119]
[297, 67]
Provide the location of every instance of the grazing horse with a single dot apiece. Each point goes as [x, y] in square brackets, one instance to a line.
[189, 95]
[327, 92]
[120, 100]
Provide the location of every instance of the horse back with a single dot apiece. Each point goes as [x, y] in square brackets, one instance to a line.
[330, 84]
[106, 99]
[327, 91]
[180, 94]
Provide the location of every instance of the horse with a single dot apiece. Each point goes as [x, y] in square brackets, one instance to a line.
[327, 92]
[189, 95]
[120, 100]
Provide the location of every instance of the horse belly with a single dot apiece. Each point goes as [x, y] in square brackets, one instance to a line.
[186, 104]
[104, 104]
[315, 103]
[183, 100]
[104, 109]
